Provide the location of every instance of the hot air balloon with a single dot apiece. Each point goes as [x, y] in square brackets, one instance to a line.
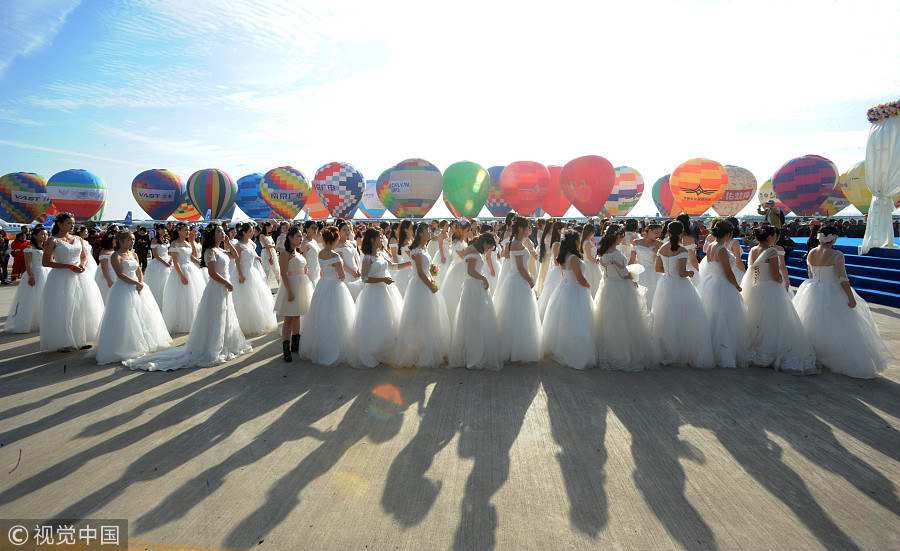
[213, 190]
[524, 185]
[834, 203]
[100, 213]
[51, 211]
[453, 210]
[466, 187]
[23, 196]
[341, 188]
[159, 192]
[371, 206]
[556, 203]
[495, 203]
[411, 189]
[186, 212]
[662, 196]
[77, 191]
[741, 186]
[587, 182]
[626, 192]
[804, 183]
[315, 207]
[248, 198]
[5, 215]
[286, 190]
[697, 184]
[766, 193]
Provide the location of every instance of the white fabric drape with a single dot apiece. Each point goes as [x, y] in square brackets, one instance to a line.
[883, 179]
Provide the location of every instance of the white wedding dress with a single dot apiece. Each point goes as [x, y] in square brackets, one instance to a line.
[328, 325]
[476, 334]
[622, 320]
[25, 310]
[452, 280]
[253, 302]
[846, 340]
[157, 274]
[777, 338]
[180, 305]
[71, 306]
[132, 325]
[569, 321]
[554, 278]
[312, 261]
[378, 310]
[301, 286]
[649, 278]
[592, 271]
[99, 278]
[517, 313]
[505, 264]
[269, 259]
[350, 257]
[215, 336]
[424, 336]
[725, 311]
[679, 326]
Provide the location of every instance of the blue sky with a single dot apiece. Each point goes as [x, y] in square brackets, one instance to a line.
[118, 87]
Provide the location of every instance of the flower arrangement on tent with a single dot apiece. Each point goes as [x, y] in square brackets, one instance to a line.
[883, 111]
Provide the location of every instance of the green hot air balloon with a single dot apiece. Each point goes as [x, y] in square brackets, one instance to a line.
[466, 187]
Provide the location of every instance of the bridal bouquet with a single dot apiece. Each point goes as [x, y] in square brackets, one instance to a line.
[434, 270]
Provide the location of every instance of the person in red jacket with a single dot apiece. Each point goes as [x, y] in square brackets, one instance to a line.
[17, 248]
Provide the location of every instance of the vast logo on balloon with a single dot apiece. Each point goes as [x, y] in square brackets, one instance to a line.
[341, 188]
[23, 196]
[159, 192]
[697, 184]
[587, 182]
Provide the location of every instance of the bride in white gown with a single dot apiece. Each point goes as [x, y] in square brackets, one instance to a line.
[253, 302]
[517, 311]
[132, 324]
[158, 269]
[836, 319]
[452, 279]
[346, 247]
[25, 310]
[215, 336]
[71, 306]
[679, 326]
[777, 338]
[184, 286]
[476, 334]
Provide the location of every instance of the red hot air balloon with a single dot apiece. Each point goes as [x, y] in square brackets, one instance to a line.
[587, 182]
[556, 203]
[524, 184]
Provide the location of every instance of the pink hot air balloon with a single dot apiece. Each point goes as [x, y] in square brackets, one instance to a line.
[556, 203]
[804, 183]
[524, 184]
[587, 182]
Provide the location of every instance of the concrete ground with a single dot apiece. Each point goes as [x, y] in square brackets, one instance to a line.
[259, 454]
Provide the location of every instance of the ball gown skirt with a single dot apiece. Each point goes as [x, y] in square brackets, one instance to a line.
[377, 323]
[423, 339]
[553, 280]
[623, 328]
[156, 277]
[253, 302]
[273, 274]
[476, 334]
[451, 287]
[520, 322]
[102, 284]
[90, 265]
[25, 311]
[132, 325]
[402, 276]
[71, 310]
[181, 301]
[569, 325]
[505, 268]
[726, 313]
[845, 340]
[303, 291]
[328, 325]
[679, 326]
[594, 275]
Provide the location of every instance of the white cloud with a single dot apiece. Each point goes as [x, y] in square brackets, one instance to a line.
[29, 26]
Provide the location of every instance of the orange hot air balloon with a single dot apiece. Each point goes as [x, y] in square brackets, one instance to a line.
[697, 184]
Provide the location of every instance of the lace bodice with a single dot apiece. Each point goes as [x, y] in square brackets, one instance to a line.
[328, 267]
[162, 250]
[68, 253]
[37, 257]
[221, 261]
[425, 258]
[479, 263]
[715, 268]
[568, 272]
[833, 270]
[670, 263]
[182, 253]
[378, 266]
[610, 270]
[590, 250]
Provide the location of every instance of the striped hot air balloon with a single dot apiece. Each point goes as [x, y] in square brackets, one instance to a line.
[78, 191]
[212, 190]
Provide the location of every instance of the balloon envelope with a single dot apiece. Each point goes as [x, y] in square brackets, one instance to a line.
[411, 189]
[341, 188]
[834, 203]
[286, 190]
[496, 204]
[766, 193]
[159, 192]
[697, 184]
[100, 213]
[248, 198]
[466, 188]
[741, 186]
[587, 182]
[556, 203]
[51, 211]
[662, 196]
[804, 183]
[186, 212]
[371, 205]
[77, 191]
[524, 184]
[315, 207]
[23, 196]
[212, 190]
[626, 192]
[453, 210]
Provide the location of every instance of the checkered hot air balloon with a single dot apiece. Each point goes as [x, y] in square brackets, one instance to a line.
[159, 192]
[496, 204]
[186, 212]
[23, 196]
[524, 184]
[804, 183]
[286, 190]
[78, 191]
[663, 198]
[249, 199]
[411, 189]
[341, 188]
[212, 190]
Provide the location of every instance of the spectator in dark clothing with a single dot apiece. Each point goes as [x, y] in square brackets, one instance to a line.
[142, 246]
